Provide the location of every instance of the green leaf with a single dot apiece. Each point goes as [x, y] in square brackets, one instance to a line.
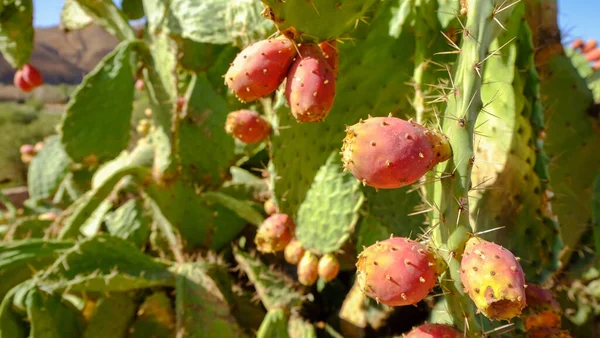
[204, 128]
[134, 9]
[275, 324]
[29, 227]
[50, 316]
[12, 324]
[20, 259]
[73, 17]
[16, 32]
[107, 15]
[97, 122]
[202, 307]
[242, 208]
[47, 169]
[274, 288]
[103, 264]
[112, 316]
[327, 216]
[130, 222]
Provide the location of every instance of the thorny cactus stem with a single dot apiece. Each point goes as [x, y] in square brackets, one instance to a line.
[451, 217]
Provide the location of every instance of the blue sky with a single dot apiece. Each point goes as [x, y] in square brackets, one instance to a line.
[577, 18]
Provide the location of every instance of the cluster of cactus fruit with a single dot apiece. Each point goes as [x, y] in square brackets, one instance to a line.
[281, 184]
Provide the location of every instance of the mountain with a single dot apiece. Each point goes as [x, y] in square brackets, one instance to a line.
[65, 57]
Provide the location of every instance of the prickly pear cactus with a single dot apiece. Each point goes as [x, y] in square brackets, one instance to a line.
[309, 167]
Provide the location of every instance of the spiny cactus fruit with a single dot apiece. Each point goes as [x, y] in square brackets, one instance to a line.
[27, 149]
[260, 68]
[308, 269]
[331, 53]
[310, 87]
[493, 278]
[139, 85]
[397, 271]
[388, 152]
[329, 267]
[434, 331]
[247, 126]
[28, 78]
[275, 233]
[542, 308]
[270, 207]
[293, 252]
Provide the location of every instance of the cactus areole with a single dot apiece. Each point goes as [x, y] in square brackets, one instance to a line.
[397, 271]
[493, 278]
[388, 152]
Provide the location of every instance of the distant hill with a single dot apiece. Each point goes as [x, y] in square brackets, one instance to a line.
[65, 57]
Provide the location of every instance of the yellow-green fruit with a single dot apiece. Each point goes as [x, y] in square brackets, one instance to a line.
[293, 252]
[308, 269]
[329, 267]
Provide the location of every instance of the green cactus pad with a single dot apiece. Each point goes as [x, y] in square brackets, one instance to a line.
[300, 328]
[244, 209]
[47, 169]
[28, 227]
[370, 231]
[112, 316]
[274, 289]
[12, 323]
[108, 16]
[206, 151]
[133, 9]
[44, 310]
[202, 308]
[16, 32]
[73, 17]
[245, 185]
[275, 324]
[596, 212]
[363, 87]
[20, 259]
[187, 211]
[156, 318]
[92, 224]
[131, 221]
[101, 264]
[307, 17]
[90, 116]
[327, 217]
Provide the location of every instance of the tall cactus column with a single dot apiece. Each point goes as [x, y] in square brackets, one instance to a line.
[451, 217]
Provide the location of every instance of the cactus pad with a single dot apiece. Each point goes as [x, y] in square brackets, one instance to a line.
[47, 169]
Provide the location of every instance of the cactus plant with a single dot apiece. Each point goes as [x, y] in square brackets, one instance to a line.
[230, 211]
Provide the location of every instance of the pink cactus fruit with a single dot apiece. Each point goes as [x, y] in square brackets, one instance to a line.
[434, 331]
[274, 233]
[329, 267]
[27, 149]
[493, 278]
[139, 85]
[293, 252]
[247, 126]
[397, 271]
[542, 308]
[589, 46]
[270, 207]
[547, 332]
[578, 43]
[593, 55]
[331, 54]
[260, 68]
[310, 87]
[308, 269]
[388, 152]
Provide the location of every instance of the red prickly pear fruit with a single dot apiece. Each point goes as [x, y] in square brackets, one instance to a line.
[32, 76]
[270, 207]
[578, 43]
[308, 269]
[274, 233]
[293, 252]
[260, 68]
[589, 46]
[593, 55]
[310, 87]
[542, 308]
[596, 65]
[329, 267]
[331, 54]
[548, 332]
[139, 85]
[388, 152]
[397, 271]
[493, 278]
[20, 82]
[27, 149]
[247, 126]
[434, 331]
